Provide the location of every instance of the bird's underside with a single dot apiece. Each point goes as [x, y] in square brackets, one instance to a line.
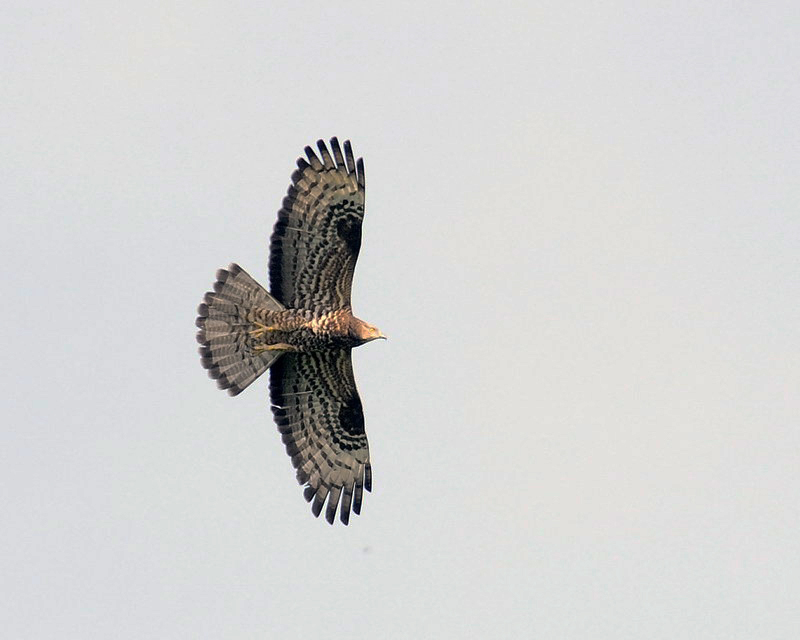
[300, 331]
[303, 330]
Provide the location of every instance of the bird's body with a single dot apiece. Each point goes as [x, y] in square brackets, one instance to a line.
[303, 329]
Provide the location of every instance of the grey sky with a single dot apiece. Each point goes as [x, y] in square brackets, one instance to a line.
[582, 238]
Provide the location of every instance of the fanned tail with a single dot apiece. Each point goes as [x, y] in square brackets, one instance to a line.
[224, 340]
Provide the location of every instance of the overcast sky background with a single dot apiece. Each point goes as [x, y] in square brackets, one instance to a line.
[582, 237]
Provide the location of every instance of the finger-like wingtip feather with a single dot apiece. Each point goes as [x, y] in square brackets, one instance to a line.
[348, 156]
[327, 161]
[368, 477]
[337, 153]
[360, 172]
[313, 159]
[347, 500]
[333, 503]
[319, 501]
[357, 495]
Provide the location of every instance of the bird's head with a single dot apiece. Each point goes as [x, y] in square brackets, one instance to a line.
[363, 331]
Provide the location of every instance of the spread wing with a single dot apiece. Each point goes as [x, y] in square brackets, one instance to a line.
[317, 237]
[318, 412]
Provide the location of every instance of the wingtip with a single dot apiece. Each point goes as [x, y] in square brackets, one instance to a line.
[316, 506]
[360, 172]
[348, 157]
[368, 477]
[327, 161]
[316, 163]
[337, 153]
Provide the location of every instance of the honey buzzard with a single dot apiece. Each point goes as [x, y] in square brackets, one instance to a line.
[303, 330]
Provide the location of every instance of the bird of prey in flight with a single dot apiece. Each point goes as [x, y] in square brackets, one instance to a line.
[303, 329]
